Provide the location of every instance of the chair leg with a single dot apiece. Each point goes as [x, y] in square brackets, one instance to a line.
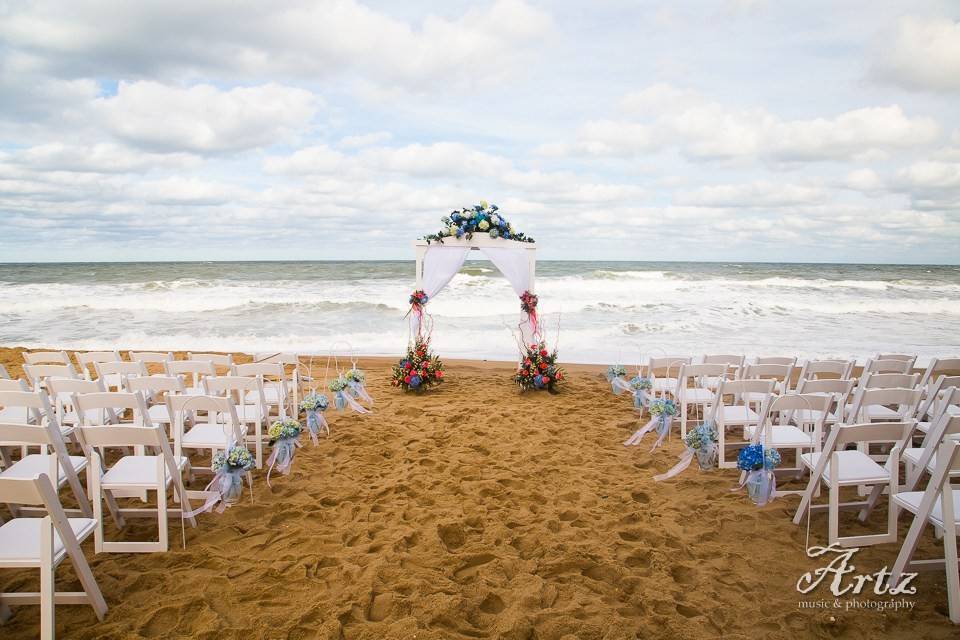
[910, 544]
[47, 587]
[834, 510]
[950, 555]
[871, 502]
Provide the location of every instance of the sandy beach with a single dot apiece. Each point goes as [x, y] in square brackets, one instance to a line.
[475, 512]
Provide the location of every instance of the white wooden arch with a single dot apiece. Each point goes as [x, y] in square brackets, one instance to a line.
[477, 243]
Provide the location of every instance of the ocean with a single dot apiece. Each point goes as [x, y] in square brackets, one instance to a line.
[600, 312]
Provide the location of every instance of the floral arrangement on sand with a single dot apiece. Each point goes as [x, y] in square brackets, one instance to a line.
[230, 467]
[539, 369]
[284, 438]
[482, 218]
[701, 444]
[419, 369]
[336, 386]
[314, 405]
[758, 462]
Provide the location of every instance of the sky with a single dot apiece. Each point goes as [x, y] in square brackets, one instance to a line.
[738, 130]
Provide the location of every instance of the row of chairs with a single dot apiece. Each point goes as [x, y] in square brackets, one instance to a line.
[137, 435]
[881, 434]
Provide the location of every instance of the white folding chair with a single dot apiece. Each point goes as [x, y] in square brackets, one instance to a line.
[837, 390]
[698, 394]
[46, 357]
[935, 400]
[151, 357]
[87, 360]
[826, 370]
[663, 373]
[37, 374]
[44, 543]
[777, 432]
[902, 357]
[939, 505]
[838, 467]
[44, 432]
[194, 371]
[779, 373]
[294, 379]
[885, 404]
[923, 459]
[114, 373]
[62, 391]
[156, 390]
[14, 414]
[739, 412]
[940, 367]
[250, 405]
[131, 474]
[890, 365]
[221, 427]
[274, 379]
[222, 360]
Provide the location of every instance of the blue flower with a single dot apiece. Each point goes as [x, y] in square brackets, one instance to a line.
[415, 381]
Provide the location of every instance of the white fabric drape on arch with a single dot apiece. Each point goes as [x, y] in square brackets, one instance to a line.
[440, 264]
[515, 266]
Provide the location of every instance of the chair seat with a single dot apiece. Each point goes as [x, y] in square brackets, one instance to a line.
[912, 455]
[15, 415]
[698, 395]
[784, 435]
[32, 465]
[205, 436]
[159, 413]
[135, 471]
[876, 412]
[856, 467]
[953, 410]
[910, 500]
[20, 540]
[923, 427]
[738, 414]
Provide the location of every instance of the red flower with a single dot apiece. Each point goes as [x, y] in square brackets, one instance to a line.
[546, 379]
[408, 366]
[439, 374]
[407, 379]
[527, 362]
[543, 365]
[559, 375]
[543, 352]
[533, 347]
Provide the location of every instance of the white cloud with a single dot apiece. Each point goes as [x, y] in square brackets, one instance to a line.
[103, 157]
[306, 39]
[759, 194]
[663, 117]
[203, 118]
[923, 54]
[366, 139]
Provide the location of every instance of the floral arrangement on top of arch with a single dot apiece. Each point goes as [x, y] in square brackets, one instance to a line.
[481, 218]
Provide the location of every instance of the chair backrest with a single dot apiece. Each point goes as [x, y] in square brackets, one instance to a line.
[68, 386]
[151, 357]
[889, 380]
[13, 385]
[778, 372]
[268, 369]
[939, 367]
[34, 403]
[38, 373]
[669, 366]
[722, 358]
[218, 359]
[87, 359]
[196, 369]
[739, 387]
[844, 434]
[122, 369]
[87, 405]
[934, 394]
[833, 386]
[46, 357]
[906, 400]
[149, 385]
[829, 369]
[891, 365]
[777, 360]
[800, 402]
[905, 357]
[702, 370]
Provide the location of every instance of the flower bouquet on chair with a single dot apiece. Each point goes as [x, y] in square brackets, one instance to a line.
[640, 387]
[615, 376]
[284, 438]
[758, 463]
[314, 405]
[230, 469]
[701, 445]
[419, 369]
[539, 369]
[662, 412]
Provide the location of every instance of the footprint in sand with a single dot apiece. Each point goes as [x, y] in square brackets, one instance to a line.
[472, 566]
[452, 536]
